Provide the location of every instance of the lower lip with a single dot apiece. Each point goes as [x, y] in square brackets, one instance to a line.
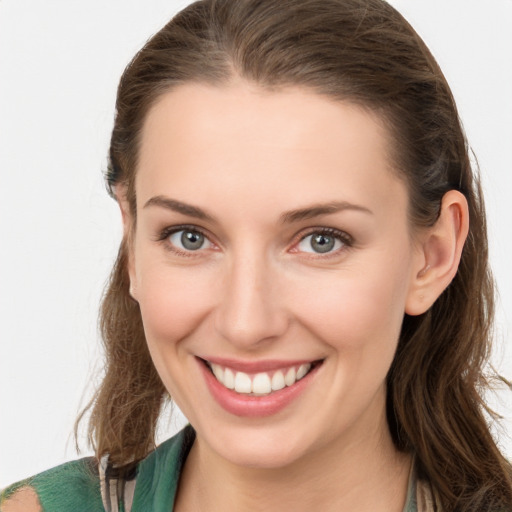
[250, 405]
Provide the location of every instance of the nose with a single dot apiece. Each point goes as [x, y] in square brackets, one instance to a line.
[250, 310]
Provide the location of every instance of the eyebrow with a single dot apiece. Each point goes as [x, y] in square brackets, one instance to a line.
[179, 207]
[289, 217]
[317, 210]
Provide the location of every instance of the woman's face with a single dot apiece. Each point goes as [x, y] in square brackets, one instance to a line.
[272, 248]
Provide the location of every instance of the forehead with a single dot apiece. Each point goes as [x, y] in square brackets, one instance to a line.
[203, 141]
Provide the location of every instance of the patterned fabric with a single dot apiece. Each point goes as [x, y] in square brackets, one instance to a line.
[71, 486]
[419, 495]
[117, 494]
[85, 486]
[424, 499]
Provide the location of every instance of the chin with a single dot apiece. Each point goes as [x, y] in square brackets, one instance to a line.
[258, 447]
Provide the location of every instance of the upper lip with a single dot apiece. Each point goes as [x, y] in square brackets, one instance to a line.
[257, 366]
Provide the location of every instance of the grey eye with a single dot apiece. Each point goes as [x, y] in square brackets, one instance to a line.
[319, 243]
[189, 240]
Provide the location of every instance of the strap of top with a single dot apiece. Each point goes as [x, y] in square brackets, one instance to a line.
[116, 492]
[156, 477]
[424, 497]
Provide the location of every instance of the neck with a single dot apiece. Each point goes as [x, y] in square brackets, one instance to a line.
[349, 474]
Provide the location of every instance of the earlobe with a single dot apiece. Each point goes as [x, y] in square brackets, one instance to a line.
[133, 292]
[441, 250]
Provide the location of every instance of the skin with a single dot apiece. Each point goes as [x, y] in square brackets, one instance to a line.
[23, 500]
[256, 290]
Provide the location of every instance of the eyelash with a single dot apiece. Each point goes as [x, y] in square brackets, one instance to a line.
[346, 240]
[169, 231]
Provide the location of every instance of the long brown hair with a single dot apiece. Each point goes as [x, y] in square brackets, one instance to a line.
[362, 51]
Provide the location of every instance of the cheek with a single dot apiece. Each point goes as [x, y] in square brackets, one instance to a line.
[357, 309]
[173, 301]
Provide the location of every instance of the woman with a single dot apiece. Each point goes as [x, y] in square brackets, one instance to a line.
[303, 270]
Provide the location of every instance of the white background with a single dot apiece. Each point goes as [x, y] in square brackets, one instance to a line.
[60, 61]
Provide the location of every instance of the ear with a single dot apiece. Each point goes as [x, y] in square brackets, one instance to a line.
[120, 192]
[440, 250]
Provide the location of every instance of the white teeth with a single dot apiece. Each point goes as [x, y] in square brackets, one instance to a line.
[289, 378]
[218, 372]
[303, 369]
[261, 384]
[229, 379]
[278, 381]
[242, 383]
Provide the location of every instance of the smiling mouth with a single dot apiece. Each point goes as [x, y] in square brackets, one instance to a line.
[261, 383]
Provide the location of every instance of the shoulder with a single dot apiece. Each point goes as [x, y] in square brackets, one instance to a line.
[23, 499]
[63, 488]
[74, 484]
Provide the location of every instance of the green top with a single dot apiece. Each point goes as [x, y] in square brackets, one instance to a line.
[76, 485]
